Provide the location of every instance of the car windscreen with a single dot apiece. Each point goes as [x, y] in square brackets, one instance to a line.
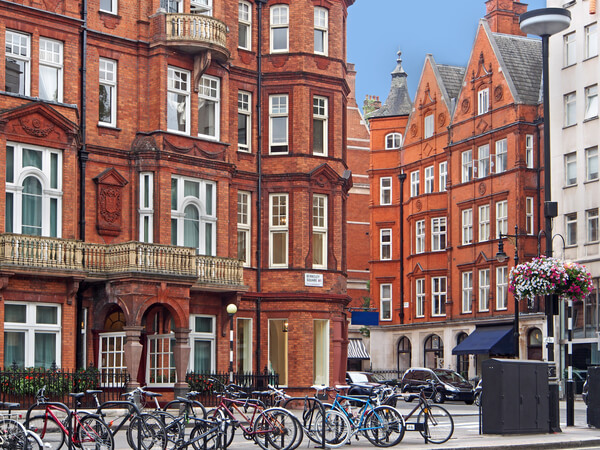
[449, 377]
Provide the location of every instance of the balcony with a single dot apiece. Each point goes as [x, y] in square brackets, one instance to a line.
[191, 33]
[21, 253]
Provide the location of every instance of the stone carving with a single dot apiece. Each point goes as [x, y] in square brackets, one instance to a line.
[110, 185]
[36, 127]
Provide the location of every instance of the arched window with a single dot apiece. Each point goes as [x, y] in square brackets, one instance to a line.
[534, 344]
[32, 206]
[433, 352]
[404, 353]
[393, 140]
[462, 361]
[191, 226]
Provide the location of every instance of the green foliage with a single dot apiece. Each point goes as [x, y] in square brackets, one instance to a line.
[201, 383]
[28, 381]
[365, 331]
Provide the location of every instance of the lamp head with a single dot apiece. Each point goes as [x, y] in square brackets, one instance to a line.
[545, 21]
[231, 309]
[501, 255]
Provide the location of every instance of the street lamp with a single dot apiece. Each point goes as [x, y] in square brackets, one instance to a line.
[545, 22]
[501, 257]
[231, 310]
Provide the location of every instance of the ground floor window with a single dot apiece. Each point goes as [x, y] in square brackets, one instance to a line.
[321, 352]
[462, 361]
[244, 345]
[404, 353]
[202, 338]
[111, 362]
[433, 352]
[278, 349]
[161, 361]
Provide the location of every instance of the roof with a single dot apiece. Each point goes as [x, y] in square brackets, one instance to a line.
[452, 77]
[398, 101]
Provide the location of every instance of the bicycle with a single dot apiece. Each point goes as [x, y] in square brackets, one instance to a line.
[11, 431]
[58, 423]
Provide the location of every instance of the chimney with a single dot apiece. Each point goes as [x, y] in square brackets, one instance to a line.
[503, 16]
[351, 80]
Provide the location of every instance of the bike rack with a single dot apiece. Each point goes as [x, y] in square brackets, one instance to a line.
[321, 407]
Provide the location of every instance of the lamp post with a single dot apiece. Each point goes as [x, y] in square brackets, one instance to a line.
[501, 257]
[231, 310]
[545, 22]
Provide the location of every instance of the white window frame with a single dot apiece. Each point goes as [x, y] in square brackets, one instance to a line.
[51, 57]
[279, 351]
[112, 8]
[204, 7]
[393, 141]
[244, 222]
[484, 290]
[467, 165]
[570, 108]
[209, 92]
[438, 234]
[428, 126]
[244, 344]
[420, 236]
[31, 327]
[163, 349]
[178, 99]
[483, 101]
[467, 226]
[484, 223]
[205, 336]
[429, 179]
[321, 338]
[591, 164]
[108, 78]
[385, 302]
[146, 207]
[385, 191]
[245, 114]
[571, 229]
[439, 288]
[443, 171]
[591, 40]
[414, 183]
[501, 156]
[592, 229]
[529, 150]
[18, 47]
[280, 18]
[278, 110]
[245, 25]
[483, 161]
[321, 21]
[111, 347]
[385, 244]
[502, 217]
[319, 229]
[467, 292]
[279, 224]
[501, 288]
[591, 102]
[529, 215]
[320, 115]
[571, 169]
[420, 297]
[569, 49]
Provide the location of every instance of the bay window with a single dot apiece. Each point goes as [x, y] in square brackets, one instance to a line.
[321, 30]
[17, 62]
[243, 227]
[278, 124]
[278, 230]
[209, 107]
[51, 70]
[178, 100]
[319, 231]
[320, 126]
[146, 206]
[245, 25]
[279, 28]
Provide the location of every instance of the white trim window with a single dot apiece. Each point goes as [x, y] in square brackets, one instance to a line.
[319, 232]
[438, 234]
[385, 302]
[320, 114]
[420, 297]
[501, 156]
[529, 151]
[414, 183]
[591, 219]
[33, 190]
[161, 360]
[443, 171]
[420, 236]
[278, 124]
[203, 336]
[467, 226]
[320, 352]
[591, 164]
[393, 141]
[108, 6]
[385, 191]
[591, 102]
[502, 217]
[244, 345]
[483, 163]
[51, 70]
[178, 100]
[429, 179]
[570, 106]
[571, 228]
[193, 214]
[569, 49]
[591, 40]
[243, 227]
[484, 223]
[467, 292]
[244, 121]
[571, 169]
[321, 30]
[467, 165]
[209, 107]
[107, 92]
[245, 25]
[172, 6]
[529, 218]
[17, 62]
[280, 20]
[484, 290]
[501, 288]
[428, 126]
[203, 7]
[278, 230]
[438, 296]
[385, 244]
[32, 334]
[483, 101]
[111, 358]
[146, 207]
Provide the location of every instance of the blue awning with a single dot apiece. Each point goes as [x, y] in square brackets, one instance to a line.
[497, 340]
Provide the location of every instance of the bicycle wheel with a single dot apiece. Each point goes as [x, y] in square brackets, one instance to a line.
[336, 429]
[438, 424]
[209, 435]
[174, 428]
[193, 408]
[92, 433]
[148, 431]
[48, 430]
[384, 426]
[34, 441]
[12, 435]
[274, 427]
[218, 415]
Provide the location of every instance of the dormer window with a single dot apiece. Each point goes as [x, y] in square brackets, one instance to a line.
[201, 7]
[483, 103]
[393, 140]
[428, 128]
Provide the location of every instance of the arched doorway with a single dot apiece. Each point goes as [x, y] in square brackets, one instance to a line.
[462, 361]
[404, 354]
[534, 344]
[433, 351]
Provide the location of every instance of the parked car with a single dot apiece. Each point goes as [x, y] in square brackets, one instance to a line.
[449, 385]
[362, 382]
[477, 392]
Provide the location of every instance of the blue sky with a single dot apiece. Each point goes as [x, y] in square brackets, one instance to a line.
[377, 29]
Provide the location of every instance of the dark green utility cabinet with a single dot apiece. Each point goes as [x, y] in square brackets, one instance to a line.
[593, 396]
[514, 396]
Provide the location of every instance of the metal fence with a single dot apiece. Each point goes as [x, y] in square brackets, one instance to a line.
[389, 374]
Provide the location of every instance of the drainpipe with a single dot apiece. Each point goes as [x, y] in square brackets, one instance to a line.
[402, 178]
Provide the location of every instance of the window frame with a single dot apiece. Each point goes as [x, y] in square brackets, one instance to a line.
[569, 49]
[245, 112]
[321, 339]
[203, 7]
[429, 176]
[155, 362]
[25, 59]
[592, 226]
[483, 161]
[282, 227]
[501, 288]
[571, 169]
[420, 297]
[483, 101]
[282, 112]
[385, 314]
[501, 217]
[467, 292]
[385, 244]
[501, 156]
[571, 229]
[428, 126]
[529, 151]
[591, 162]
[484, 290]
[438, 296]
[321, 26]
[111, 86]
[591, 102]
[529, 215]
[244, 224]
[385, 191]
[209, 91]
[283, 25]
[467, 226]
[393, 141]
[184, 79]
[439, 228]
[467, 166]
[443, 174]
[320, 229]
[245, 24]
[320, 114]
[420, 236]
[210, 337]
[570, 109]
[591, 38]
[484, 220]
[414, 183]
[146, 207]
[57, 66]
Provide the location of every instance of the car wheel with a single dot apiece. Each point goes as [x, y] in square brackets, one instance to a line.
[478, 399]
[439, 397]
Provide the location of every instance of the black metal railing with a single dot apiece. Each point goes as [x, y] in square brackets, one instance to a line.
[389, 374]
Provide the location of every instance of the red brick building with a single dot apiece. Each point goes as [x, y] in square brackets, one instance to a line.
[163, 159]
[468, 169]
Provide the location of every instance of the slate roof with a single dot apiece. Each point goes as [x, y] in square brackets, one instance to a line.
[398, 102]
[521, 59]
[452, 77]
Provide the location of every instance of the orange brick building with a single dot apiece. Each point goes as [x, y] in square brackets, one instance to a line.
[163, 159]
[469, 168]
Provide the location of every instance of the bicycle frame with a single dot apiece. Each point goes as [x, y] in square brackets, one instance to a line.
[257, 408]
[357, 422]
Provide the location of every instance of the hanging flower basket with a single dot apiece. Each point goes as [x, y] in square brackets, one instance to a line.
[546, 276]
